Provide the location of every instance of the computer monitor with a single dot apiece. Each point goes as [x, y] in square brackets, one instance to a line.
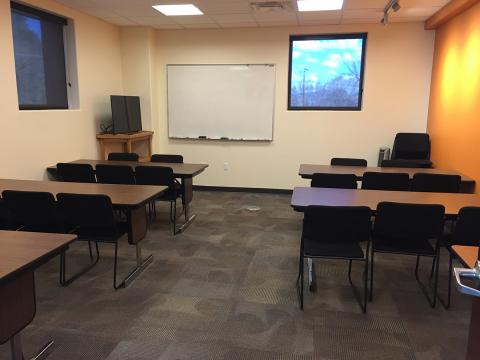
[126, 115]
[133, 113]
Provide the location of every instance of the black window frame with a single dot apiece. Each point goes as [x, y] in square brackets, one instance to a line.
[43, 16]
[363, 36]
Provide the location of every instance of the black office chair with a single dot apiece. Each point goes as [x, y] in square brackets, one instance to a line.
[160, 175]
[166, 158]
[92, 218]
[5, 222]
[335, 232]
[339, 181]
[407, 229]
[115, 174]
[33, 211]
[348, 162]
[404, 164]
[123, 156]
[413, 148]
[385, 181]
[70, 172]
[436, 183]
[465, 232]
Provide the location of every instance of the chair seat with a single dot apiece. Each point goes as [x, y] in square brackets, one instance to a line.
[333, 250]
[122, 228]
[405, 247]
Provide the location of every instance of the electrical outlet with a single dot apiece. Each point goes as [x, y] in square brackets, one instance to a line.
[226, 166]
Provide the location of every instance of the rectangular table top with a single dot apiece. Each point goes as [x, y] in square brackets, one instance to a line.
[179, 170]
[120, 195]
[307, 170]
[24, 251]
[468, 254]
[305, 196]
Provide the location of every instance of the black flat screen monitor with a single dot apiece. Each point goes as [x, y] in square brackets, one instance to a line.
[133, 113]
[126, 116]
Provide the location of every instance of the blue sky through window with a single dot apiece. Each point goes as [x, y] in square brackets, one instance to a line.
[326, 72]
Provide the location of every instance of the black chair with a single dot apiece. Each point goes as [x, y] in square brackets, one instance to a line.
[5, 222]
[115, 174]
[33, 211]
[465, 232]
[160, 175]
[70, 172]
[436, 183]
[405, 164]
[123, 156]
[385, 181]
[340, 181]
[407, 229]
[92, 218]
[335, 232]
[348, 162]
[166, 158]
[413, 148]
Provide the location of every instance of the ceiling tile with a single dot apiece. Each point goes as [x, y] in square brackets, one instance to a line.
[277, 23]
[152, 20]
[189, 20]
[232, 18]
[362, 14]
[414, 12]
[275, 16]
[238, 25]
[364, 4]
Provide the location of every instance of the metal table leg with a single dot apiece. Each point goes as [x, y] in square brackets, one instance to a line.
[312, 279]
[142, 264]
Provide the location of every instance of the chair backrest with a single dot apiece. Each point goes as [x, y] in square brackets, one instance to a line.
[69, 172]
[115, 174]
[36, 210]
[467, 227]
[385, 181]
[90, 215]
[340, 181]
[337, 224]
[4, 216]
[406, 163]
[398, 222]
[123, 156]
[348, 162]
[411, 146]
[155, 175]
[436, 183]
[166, 158]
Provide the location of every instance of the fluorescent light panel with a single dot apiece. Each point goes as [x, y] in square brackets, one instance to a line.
[319, 5]
[178, 10]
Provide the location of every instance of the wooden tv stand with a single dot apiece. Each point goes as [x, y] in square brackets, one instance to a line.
[127, 141]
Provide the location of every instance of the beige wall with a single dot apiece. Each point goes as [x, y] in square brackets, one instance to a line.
[397, 80]
[32, 140]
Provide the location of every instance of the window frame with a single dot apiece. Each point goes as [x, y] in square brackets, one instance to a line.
[45, 16]
[339, 36]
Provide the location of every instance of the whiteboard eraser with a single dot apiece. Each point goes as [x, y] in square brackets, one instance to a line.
[202, 137]
[224, 138]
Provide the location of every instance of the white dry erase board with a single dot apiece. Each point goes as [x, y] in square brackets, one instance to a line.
[231, 102]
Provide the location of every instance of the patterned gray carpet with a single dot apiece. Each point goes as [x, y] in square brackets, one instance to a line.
[225, 289]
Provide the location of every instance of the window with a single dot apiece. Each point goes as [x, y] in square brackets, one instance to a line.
[326, 72]
[39, 58]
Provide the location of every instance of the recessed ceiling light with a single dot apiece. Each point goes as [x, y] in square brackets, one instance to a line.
[178, 10]
[319, 5]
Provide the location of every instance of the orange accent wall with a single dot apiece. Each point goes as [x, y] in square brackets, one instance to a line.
[454, 111]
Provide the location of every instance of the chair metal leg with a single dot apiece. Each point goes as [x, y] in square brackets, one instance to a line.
[449, 295]
[371, 276]
[301, 283]
[431, 300]
[63, 266]
[356, 293]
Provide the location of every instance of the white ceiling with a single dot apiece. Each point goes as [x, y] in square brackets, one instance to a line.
[238, 13]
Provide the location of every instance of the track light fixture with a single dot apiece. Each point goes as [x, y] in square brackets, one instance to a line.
[391, 5]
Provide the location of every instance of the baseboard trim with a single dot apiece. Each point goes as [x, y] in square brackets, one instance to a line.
[242, 189]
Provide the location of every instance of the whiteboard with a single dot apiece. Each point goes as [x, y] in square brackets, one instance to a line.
[231, 102]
